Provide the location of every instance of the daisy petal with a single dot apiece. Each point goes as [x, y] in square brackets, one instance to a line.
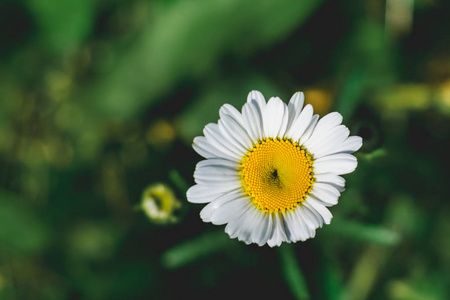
[323, 128]
[215, 173]
[335, 180]
[308, 231]
[295, 107]
[216, 138]
[309, 130]
[350, 145]
[327, 193]
[327, 142]
[279, 234]
[297, 227]
[329, 121]
[236, 132]
[235, 225]
[205, 194]
[341, 163]
[218, 162]
[229, 110]
[269, 228]
[319, 209]
[299, 125]
[203, 147]
[258, 97]
[253, 120]
[230, 197]
[250, 221]
[275, 121]
[261, 225]
[310, 219]
[229, 211]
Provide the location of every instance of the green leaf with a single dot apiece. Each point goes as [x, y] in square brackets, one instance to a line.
[367, 64]
[351, 92]
[374, 155]
[332, 280]
[362, 232]
[21, 230]
[188, 39]
[195, 249]
[178, 180]
[292, 272]
[64, 23]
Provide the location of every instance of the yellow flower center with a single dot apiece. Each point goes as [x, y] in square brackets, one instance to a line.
[277, 174]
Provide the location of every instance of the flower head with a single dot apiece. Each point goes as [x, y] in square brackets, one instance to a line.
[271, 171]
[160, 204]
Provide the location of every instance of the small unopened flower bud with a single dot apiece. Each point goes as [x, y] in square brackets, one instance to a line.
[160, 204]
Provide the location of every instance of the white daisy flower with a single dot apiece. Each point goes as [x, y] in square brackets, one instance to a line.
[271, 171]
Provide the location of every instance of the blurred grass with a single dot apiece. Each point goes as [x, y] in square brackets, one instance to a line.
[292, 272]
[358, 231]
[195, 249]
[29, 235]
[100, 99]
[184, 40]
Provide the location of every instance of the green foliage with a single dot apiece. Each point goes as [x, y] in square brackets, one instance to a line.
[21, 230]
[292, 272]
[101, 99]
[185, 40]
[367, 65]
[191, 122]
[63, 24]
[367, 233]
[194, 249]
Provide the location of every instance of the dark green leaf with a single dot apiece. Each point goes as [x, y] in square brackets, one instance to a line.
[292, 272]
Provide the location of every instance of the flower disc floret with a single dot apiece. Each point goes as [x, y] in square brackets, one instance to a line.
[277, 175]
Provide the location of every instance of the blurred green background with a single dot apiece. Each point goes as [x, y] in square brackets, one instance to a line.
[100, 101]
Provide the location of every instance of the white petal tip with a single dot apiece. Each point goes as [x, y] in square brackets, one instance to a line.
[298, 96]
[358, 142]
[255, 95]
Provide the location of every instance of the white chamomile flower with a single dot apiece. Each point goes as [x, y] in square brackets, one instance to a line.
[271, 171]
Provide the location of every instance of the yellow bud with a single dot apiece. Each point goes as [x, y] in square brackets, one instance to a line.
[160, 204]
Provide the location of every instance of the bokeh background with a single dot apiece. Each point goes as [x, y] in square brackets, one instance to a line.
[100, 101]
